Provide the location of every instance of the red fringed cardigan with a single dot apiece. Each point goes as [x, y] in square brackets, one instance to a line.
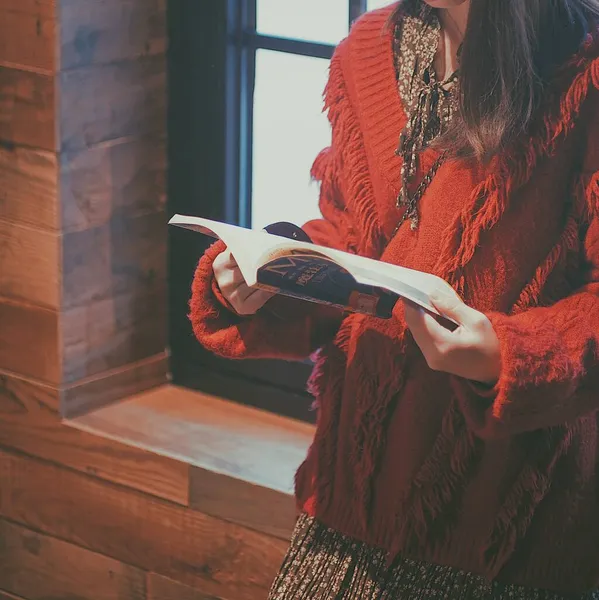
[417, 462]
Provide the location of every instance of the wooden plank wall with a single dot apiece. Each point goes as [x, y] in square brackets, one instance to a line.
[82, 323]
[88, 517]
[83, 195]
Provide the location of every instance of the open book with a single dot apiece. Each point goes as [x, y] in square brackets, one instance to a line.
[316, 273]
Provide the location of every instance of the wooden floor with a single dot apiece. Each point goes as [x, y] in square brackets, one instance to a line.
[169, 495]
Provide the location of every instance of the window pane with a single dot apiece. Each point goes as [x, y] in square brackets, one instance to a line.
[312, 20]
[289, 131]
[373, 4]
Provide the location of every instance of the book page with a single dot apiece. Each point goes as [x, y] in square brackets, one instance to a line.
[246, 245]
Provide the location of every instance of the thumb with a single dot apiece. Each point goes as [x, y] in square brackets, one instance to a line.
[450, 305]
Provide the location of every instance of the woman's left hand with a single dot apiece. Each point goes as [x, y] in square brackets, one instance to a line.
[471, 351]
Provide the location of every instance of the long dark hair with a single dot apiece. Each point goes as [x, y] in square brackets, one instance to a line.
[510, 52]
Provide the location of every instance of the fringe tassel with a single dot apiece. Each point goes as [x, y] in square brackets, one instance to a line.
[373, 409]
[348, 142]
[527, 492]
[490, 199]
[422, 518]
[568, 243]
[589, 195]
[327, 381]
[324, 170]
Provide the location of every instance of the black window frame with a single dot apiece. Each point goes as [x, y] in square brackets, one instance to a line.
[211, 66]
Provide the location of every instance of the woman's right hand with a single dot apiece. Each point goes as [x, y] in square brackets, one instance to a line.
[245, 300]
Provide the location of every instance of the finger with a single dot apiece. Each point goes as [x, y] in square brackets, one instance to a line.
[224, 260]
[254, 302]
[229, 278]
[430, 335]
[239, 295]
[450, 305]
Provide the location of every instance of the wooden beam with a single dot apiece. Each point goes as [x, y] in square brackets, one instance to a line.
[29, 187]
[123, 256]
[111, 101]
[217, 558]
[232, 499]
[161, 588]
[95, 32]
[29, 264]
[45, 8]
[27, 108]
[125, 177]
[38, 567]
[6, 596]
[111, 386]
[110, 334]
[30, 423]
[28, 39]
[29, 341]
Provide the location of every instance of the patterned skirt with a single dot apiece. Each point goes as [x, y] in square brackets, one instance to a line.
[322, 564]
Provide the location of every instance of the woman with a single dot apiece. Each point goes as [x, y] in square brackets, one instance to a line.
[458, 464]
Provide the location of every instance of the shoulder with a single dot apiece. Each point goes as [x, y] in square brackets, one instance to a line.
[365, 52]
[369, 33]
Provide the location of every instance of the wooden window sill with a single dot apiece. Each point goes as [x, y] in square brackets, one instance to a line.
[240, 461]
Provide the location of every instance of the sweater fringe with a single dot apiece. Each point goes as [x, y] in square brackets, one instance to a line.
[490, 199]
[589, 195]
[349, 142]
[568, 244]
[422, 519]
[374, 406]
[528, 491]
[424, 515]
[327, 381]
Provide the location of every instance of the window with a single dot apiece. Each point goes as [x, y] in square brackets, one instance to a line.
[246, 123]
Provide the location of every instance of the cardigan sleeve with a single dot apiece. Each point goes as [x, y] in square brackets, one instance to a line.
[285, 327]
[550, 358]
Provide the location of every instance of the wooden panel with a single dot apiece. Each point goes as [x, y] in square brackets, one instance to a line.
[29, 422]
[217, 558]
[95, 32]
[238, 501]
[29, 264]
[39, 567]
[6, 596]
[113, 333]
[28, 38]
[125, 257]
[255, 446]
[28, 187]
[107, 388]
[45, 8]
[29, 341]
[107, 102]
[27, 108]
[127, 177]
[161, 588]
